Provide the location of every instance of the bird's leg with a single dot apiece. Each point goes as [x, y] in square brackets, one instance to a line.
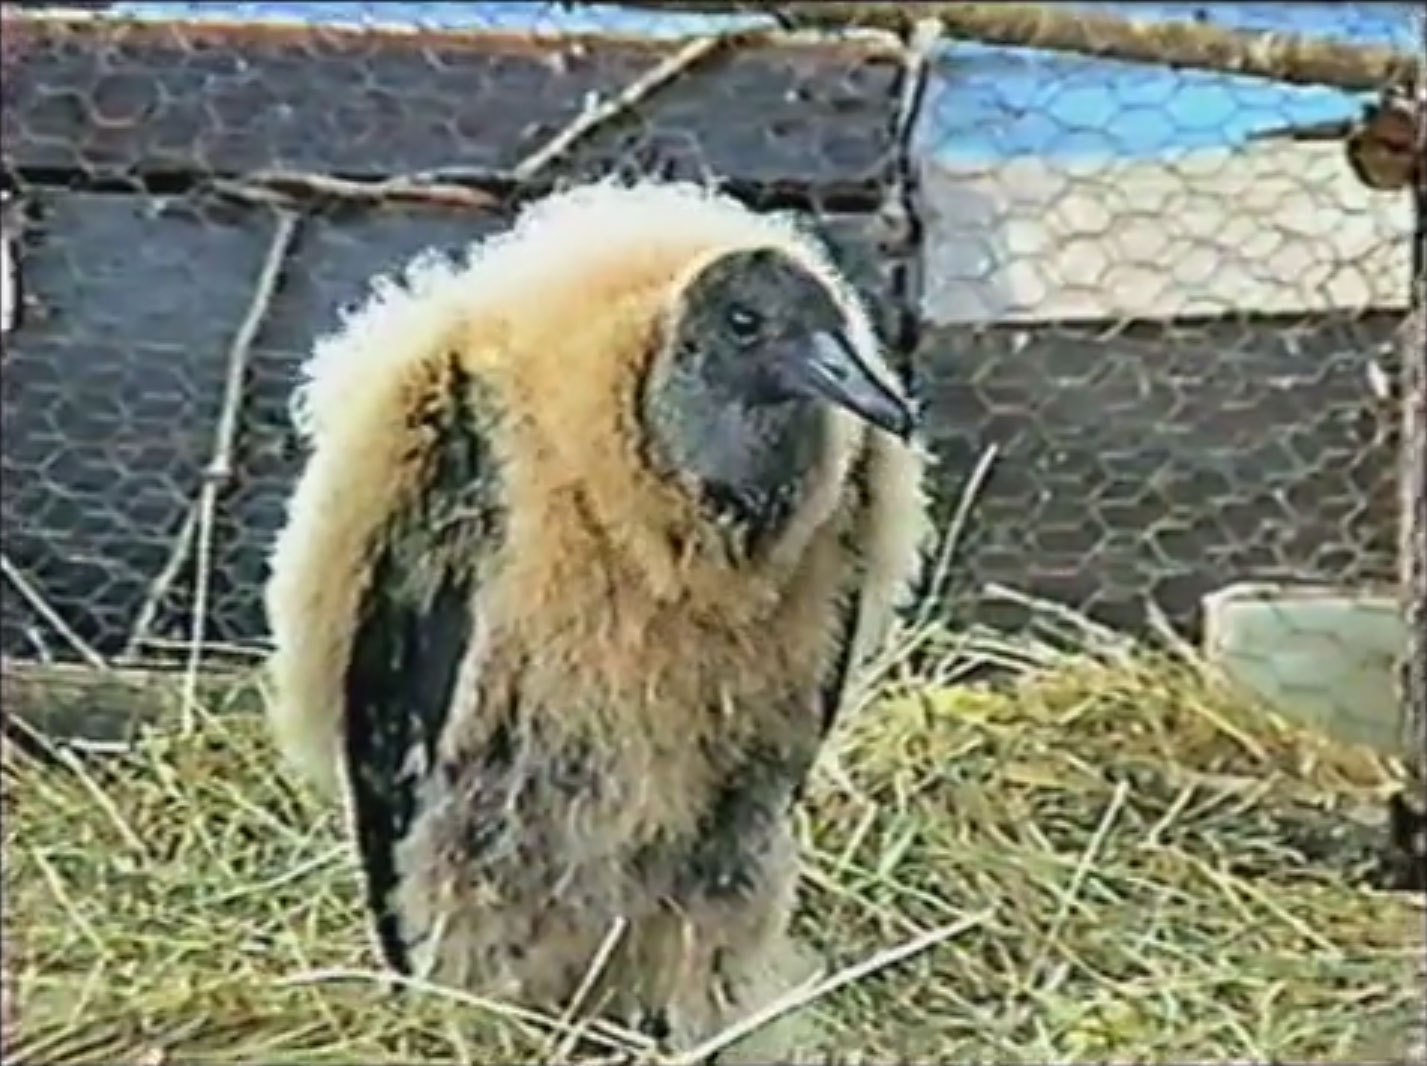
[655, 1025]
[653, 1022]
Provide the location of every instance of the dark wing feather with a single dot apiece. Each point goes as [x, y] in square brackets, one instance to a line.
[834, 684]
[414, 623]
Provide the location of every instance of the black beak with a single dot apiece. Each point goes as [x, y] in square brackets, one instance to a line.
[835, 371]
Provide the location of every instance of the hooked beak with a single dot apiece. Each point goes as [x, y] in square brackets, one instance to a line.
[834, 371]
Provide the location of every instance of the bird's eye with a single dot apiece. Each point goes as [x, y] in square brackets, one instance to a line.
[744, 322]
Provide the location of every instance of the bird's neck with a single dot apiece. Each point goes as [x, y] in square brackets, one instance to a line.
[749, 466]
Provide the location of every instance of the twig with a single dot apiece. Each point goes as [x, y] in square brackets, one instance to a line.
[809, 992]
[1160, 625]
[951, 539]
[1333, 129]
[1282, 57]
[62, 897]
[637, 91]
[1082, 867]
[278, 188]
[220, 468]
[163, 581]
[70, 762]
[258, 650]
[41, 607]
[1102, 639]
[330, 857]
[577, 1001]
[611, 1036]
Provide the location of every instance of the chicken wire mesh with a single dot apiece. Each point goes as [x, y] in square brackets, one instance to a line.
[1154, 314]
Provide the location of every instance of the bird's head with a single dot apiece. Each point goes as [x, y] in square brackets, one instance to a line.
[757, 356]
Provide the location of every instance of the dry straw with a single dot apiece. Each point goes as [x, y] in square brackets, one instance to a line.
[1106, 857]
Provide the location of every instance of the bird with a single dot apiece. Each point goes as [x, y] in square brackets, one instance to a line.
[595, 526]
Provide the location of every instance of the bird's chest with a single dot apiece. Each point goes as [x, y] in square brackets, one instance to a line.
[661, 690]
[548, 814]
[630, 743]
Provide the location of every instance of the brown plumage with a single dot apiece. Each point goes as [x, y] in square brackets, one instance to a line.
[591, 529]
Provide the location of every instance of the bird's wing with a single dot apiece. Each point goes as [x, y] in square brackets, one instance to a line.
[888, 530]
[849, 622]
[414, 622]
[834, 687]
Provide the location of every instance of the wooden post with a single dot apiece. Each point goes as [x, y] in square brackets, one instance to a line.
[1409, 812]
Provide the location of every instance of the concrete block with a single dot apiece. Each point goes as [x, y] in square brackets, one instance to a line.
[1324, 656]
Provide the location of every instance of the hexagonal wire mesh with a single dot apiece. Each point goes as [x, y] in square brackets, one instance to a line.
[1150, 311]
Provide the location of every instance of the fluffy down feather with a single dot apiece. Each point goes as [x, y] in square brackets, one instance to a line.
[551, 699]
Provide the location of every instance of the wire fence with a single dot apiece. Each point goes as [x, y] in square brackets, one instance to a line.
[1150, 279]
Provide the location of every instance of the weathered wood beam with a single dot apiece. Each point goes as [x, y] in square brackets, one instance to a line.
[1286, 57]
[65, 702]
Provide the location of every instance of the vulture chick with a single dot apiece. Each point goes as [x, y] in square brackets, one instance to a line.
[591, 531]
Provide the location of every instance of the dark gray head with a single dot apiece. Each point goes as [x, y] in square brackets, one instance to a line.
[758, 349]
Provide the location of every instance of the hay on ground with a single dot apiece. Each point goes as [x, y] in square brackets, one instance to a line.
[1139, 866]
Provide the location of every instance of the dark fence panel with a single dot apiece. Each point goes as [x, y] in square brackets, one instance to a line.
[1157, 461]
[169, 98]
[110, 391]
